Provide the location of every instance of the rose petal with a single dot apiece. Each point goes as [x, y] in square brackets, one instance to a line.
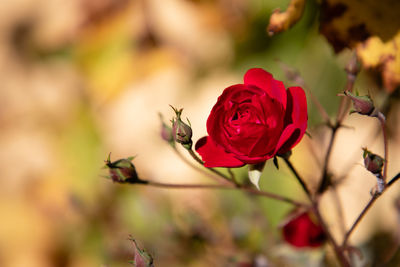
[302, 231]
[296, 118]
[296, 111]
[215, 156]
[264, 80]
[287, 140]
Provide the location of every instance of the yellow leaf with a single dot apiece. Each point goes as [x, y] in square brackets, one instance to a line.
[345, 23]
[384, 56]
[282, 21]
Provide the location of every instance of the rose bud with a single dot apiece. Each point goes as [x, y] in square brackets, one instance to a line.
[166, 132]
[253, 122]
[362, 104]
[142, 257]
[181, 131]
[304, 231]
[373, 162]
[122, 171]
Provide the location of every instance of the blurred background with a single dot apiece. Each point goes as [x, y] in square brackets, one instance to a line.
[82, 78]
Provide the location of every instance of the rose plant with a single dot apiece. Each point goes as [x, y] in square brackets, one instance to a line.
[253, 122]
[259, 120]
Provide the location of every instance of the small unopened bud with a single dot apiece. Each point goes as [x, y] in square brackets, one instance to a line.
[142, 257]
[353, 66]
[373, 162]
[362, 104]
[302, 229]
[166, 132]
[181, 131]
[123, 171]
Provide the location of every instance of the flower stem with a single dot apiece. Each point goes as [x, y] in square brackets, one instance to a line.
[201, 170]
[297, 175]
[338, 250]
[294, 76]
[325, 179]
[359, 218]
[381, 119]
[366, 208]
[233, 177]
[352, 70]
[228, 187]
[393, 180]
[220, 174]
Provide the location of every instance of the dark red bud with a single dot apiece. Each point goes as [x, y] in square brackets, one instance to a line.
[166, 132]
[181, 131]
[373, 162]
[142, 257]
[362, 104]
[122, 171]
[304, 231]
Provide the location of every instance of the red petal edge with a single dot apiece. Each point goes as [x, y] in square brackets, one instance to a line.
[215, 156]
[294, 132]
[297, 103]
[264, 80]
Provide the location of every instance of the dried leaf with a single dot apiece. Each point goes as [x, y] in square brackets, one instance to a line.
[384, 56]
[282, 21]
[345, 23]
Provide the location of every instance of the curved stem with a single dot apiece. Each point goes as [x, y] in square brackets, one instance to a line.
[359, 218]
[381, 119]
[297, 175]
[294, 76]
[352, 70]
[229, 187]
[220, 174]
[338, 250]
[325, 179]
[188, 186]
[233, 177]
[201, 170]
[366, 208]
[393, 180]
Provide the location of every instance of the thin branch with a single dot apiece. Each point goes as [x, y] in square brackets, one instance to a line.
[393, 180]
[294, 76]
[220, 174]
[201, 170]
[381, 119]
[352, 70]
[251, 191]
[359, 218]
[233, 177]
[297, 175]
[338, 250]
[325, 178]
[366, 208]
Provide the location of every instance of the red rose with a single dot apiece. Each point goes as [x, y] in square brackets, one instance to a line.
[302, 231]
[254, 121]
